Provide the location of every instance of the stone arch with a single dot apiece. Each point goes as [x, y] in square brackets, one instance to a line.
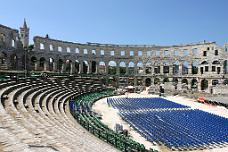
[215, 82]
[102, 67]
[157, 68]
[176, 66]
[77, 66]
[60, 65]
[216, 62]
[14, 61]
[42, 64]
[122, 67]
[148, 82]
[3, 58]
[51, 64]
[148, 69]
[112, 67]
[204, 64]
[195, 65]
[204, 84]
[194, 83]
[156, 81]
[185, 67]
[175, 81]
[93, 66]
[33, 63]
[225, 82]
[131, 67]
[216, 66]
[165, 80]
[184, 81]
[166, 67]
[68, 66]
[140, 67]
[225, 64]
[85, 67]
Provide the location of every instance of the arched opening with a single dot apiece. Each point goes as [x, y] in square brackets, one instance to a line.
[94, 67]
[42, 64]
[68, 66]
[156, 81]
[157, 67]
[148, 68]
[77, 66]
[204, 84]
[215, 82]
[165, 80]
[51, 64]
[131, 67]
[140, 67]
[184, 81]
[102, 67]
[225, 82]
[216, 67]
[148, 82]
[225, 64]
[14, 62]
[176, 68]
[122, 68]
[215, 62]
[85, 67]
[60, 65]
[194, 84]
[204, 67]
[195, 65]
[185, 68]
[33, 63]
[166, 67]
[175, 81]
[112, 67]
[3, 57]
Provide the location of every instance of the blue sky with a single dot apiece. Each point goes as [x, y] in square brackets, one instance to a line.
[161, 22]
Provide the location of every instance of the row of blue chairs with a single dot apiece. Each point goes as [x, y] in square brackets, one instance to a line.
[180, 129]
[142, 103]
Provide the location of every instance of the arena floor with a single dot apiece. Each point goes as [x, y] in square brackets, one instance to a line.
[110, 117]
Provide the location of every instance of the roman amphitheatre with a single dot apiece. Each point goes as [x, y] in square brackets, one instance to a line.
[69, 96]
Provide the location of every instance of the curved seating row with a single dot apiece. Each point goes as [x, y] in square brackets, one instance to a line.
[35, 116]
[177, 128]
[142, 103]
[81, 109]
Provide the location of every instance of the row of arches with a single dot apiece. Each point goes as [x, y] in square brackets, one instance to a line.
[8, 61]
[111, 67]
[11, 61]
[192, 83]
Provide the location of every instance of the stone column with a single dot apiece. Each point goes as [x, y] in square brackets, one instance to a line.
[118, 70]
[72, 68]
[90, 67]
[36, 66]
[180, 69]
[81, 68]
[45, 66]
[63, 68]
[190, 69]
[127, 70]
[161, 69]
[170, 70]
[135, 81]
[54, 67]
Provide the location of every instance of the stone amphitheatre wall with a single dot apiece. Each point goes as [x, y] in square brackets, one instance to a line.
[199, 66]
